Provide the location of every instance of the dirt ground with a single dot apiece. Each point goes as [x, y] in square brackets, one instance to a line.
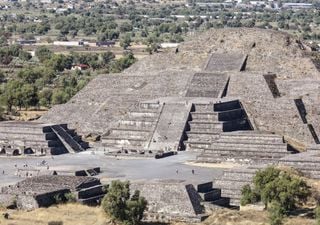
[75, 214]
[69, 214]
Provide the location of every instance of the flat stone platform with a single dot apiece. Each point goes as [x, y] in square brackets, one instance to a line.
[113, 167]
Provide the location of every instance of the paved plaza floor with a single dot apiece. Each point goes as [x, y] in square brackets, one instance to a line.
[170, 168]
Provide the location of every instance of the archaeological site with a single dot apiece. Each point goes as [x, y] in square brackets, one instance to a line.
[235, 99]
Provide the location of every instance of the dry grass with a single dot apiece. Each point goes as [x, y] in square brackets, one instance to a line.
[232, 217]
[69, 214]
[76, 214]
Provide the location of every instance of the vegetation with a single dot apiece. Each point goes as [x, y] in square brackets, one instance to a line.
[317, 215]
[280, 191]
[121, 206]
[53, 82]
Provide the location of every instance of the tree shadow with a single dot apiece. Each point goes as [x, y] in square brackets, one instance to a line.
[303, 212]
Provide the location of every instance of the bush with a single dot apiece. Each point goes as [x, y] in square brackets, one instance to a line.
[248, 196]
[278, 190]
[276, 213]
[120, 206]
[55, 223]
[70, 197]
[276, 185]
[317, 215]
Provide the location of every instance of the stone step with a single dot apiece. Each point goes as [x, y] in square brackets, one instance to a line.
[57, 150]
[25, 130]
[235, 176]
[138, 123]
[197, 129]
[127, 133]
[197, 145]
[221, 202]
[90, 192]
[210, 116]
[298, 164]
[143, 114]
[204, 187]
[231, 196]
[234, 202]
[29, 136]
[199, 125]
[241, 160]
[250, 141]
[218, 146]
[151, 106]
[251, 134]
[92, 200]
[198, 107]
[124, 141]
[211, 195]
[228, 136]
[230, 184]
[226, 106]
[205, 136]
[242, 154]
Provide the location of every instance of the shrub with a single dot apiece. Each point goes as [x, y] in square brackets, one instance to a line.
[248, 196]
[120, 206]
[58, 198]
[317, 215]
[279, 186]
[55, 223]
[276, 213]
[279, 191]
[70, 197]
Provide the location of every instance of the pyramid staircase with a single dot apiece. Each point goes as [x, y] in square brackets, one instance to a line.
[207, 121]
[211, 197]
[232, 181]
[246, 147]
[133, 133]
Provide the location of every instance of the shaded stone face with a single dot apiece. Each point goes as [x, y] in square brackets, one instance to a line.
[220, 62]
[33, 138]
[171, 200]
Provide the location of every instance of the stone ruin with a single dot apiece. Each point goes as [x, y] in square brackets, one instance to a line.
[43, 191]
[33, 138]
[232, 95]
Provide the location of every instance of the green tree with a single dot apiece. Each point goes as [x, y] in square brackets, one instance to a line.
[11, 95]
[120, 206]
[59, 62]
[59, 97]
[25, 56]
[43, 53]
[125, 42]
[279, 191]
[45, 96]
[29, 75]
[2, 77]
[279, 186]
[29, 95]
[107, 57]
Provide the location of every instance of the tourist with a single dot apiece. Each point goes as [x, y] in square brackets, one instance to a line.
[177, 171]
[193, 172]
